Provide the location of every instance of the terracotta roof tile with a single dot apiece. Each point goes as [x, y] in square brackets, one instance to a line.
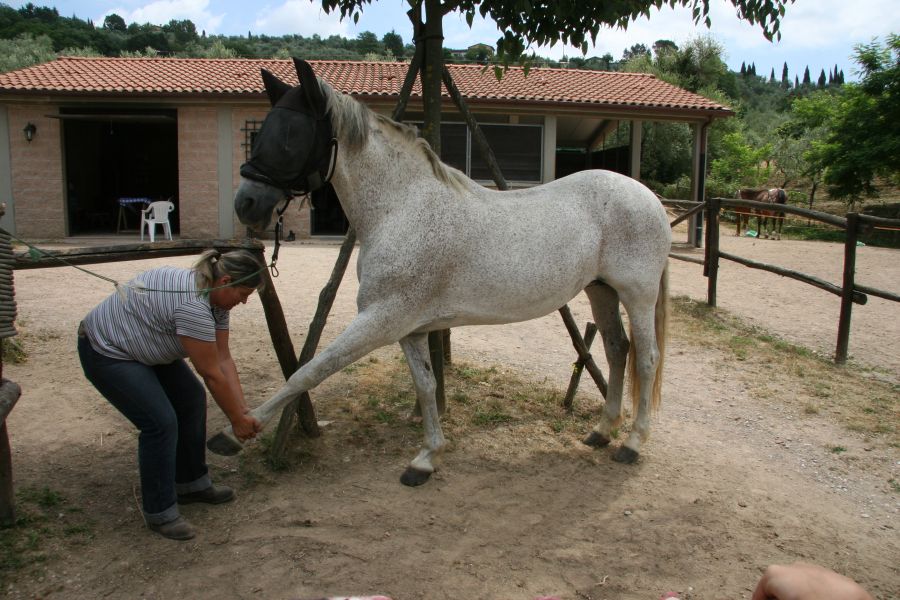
[240, 77]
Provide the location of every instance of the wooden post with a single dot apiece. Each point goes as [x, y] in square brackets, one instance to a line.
[302, 405]
[589, 333]
[9, 394]
[582, 350]
[843, 340]
[711, 265]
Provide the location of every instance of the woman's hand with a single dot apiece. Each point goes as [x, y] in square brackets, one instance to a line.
[801, 581]
[245, 426]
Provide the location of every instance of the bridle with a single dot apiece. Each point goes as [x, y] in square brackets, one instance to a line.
[315, 181]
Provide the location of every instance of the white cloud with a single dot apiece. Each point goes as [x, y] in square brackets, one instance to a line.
[299, 17]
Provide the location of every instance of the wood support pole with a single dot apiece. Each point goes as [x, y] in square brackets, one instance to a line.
[711, 266]
[302, 405]
[843, 339]
[589, 333]
[582, 350]
[9, 395]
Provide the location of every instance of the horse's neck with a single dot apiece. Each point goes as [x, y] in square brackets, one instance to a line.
[379, 177]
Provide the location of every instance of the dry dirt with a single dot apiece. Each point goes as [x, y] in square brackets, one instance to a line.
[736, 476]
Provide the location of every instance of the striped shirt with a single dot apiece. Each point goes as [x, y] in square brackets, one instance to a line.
[145, 326]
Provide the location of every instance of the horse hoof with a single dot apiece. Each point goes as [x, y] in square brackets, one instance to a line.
[626, 455]
[414, 477]
[596, 440]
[223, 444]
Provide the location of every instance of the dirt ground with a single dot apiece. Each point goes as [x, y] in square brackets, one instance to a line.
[732, 480]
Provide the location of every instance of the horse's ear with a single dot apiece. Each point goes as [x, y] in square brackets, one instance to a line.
[275, 88]
[310, 85]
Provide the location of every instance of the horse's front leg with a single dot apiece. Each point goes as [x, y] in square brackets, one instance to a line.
[368, 331]
[415, 347]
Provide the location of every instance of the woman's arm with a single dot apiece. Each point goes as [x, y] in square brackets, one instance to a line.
[222, 383]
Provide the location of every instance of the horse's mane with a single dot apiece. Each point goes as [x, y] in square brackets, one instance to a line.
[350, 121]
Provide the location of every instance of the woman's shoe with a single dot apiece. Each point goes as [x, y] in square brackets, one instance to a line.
[179, 529]
[214, 494]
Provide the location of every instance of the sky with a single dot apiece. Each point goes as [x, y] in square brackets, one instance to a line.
[820, 34]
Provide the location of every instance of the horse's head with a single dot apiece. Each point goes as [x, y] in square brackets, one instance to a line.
[292, 152]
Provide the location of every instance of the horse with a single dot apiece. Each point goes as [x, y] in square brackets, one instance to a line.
[438, 250]
[764, 218]
[745, 213]
[773, 220]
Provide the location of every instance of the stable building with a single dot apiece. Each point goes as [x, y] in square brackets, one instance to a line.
[85, 141]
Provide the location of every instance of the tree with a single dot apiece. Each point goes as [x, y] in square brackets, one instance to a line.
[821, 83]
[636, 51]
[806, 79]
[393, 43]
[25, 51]
[864, 138]
[113, 22]
[785, 79]
[367, 42]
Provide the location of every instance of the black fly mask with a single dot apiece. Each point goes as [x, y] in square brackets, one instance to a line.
[295, 148]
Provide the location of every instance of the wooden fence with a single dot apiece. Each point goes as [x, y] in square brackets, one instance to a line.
[853, 225]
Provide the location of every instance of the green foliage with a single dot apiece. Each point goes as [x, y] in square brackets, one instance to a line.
[740, 165]
[572, 23]
[25, 51]
[393, 43]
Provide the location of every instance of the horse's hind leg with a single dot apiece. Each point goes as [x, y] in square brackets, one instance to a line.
[415, 347]
[646, 355]
[605, 308]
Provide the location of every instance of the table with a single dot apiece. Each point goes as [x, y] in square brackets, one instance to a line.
[121, 222]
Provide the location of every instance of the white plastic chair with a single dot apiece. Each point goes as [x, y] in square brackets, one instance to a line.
[157, 213]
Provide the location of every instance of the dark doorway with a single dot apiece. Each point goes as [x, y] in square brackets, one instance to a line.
[118, 153]
[327, 216]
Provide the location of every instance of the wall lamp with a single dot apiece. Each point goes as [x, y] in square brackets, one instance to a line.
[30, 130]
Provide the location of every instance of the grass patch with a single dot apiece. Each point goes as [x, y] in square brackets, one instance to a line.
[44, 519]
[791, 374]
[13, 351]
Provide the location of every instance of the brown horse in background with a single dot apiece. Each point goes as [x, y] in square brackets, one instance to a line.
[745, 213]
[764, 218]
[773, 220]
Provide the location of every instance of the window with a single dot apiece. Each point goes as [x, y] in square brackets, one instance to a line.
[250, 129]
[517, 148]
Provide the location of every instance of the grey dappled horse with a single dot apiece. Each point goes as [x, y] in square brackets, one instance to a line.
[437, 250]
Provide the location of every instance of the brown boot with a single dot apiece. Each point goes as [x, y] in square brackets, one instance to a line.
[214, 494]
[179, 529]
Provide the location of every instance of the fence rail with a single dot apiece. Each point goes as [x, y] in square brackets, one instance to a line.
[853, 225]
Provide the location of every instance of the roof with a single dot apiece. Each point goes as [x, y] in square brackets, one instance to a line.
[167, 77]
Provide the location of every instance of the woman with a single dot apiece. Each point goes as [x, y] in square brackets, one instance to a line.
[132, 348]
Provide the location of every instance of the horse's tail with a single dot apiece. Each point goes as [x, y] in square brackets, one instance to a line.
[661, 319]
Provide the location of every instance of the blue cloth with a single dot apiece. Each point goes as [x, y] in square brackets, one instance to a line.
[167, 403]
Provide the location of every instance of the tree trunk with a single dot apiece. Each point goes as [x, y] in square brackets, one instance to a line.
[431, 38]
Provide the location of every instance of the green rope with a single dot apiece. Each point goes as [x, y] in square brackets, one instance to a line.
[36, 253]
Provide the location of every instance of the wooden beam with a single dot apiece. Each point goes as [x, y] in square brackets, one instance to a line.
[122, 252]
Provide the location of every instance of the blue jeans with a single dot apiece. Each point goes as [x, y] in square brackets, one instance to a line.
[167, 403]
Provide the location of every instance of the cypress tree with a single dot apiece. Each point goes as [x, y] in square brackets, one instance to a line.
[784, 74]
[772, 76]
[821, 83]
[806, 79]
